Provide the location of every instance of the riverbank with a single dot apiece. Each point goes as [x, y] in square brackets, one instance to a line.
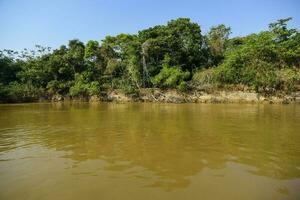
[174, 96]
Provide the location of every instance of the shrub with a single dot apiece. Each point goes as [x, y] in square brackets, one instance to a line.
[169, 77]
[16, 92]
[59, 87]
[203, 77]
[183, 86]
[82, 87]
[261, 63]
[288, 78]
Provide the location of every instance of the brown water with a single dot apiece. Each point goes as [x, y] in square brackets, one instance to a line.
[149, 151]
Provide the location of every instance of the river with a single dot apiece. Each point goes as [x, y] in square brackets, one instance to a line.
[146, 151]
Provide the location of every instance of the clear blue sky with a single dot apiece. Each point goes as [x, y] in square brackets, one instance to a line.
[24, 23]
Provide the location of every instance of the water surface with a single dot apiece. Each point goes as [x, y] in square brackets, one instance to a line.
[149, 151]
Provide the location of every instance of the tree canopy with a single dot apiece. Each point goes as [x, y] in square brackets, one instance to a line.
[172, 56]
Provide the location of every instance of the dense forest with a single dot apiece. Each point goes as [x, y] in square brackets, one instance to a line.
[172, 56]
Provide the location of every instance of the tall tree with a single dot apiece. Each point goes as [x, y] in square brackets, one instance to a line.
[280, 29]
[75, 55]
[216, 41]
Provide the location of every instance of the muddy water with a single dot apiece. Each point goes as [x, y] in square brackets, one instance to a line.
[149, 151]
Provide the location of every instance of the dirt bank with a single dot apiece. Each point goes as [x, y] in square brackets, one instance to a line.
[173, 96]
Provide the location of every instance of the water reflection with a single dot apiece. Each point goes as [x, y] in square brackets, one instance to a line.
[165, 145]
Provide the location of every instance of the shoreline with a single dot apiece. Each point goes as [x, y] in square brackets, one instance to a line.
[171, 96]
[174, 96]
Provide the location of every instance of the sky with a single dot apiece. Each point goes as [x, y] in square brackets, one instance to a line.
[25, 23]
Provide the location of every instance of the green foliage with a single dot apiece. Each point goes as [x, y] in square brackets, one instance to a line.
[279, 28]
[180, 38]
[169, 77]
[133, 71]
[91, 51]
[94, 58]
[257, 61]
[114, 67]
[16, 92]
[203, 77]
[183, 86]
[217, 39]
[58, 87]
[75, 55]
[82, 87]
[8, 68]
[175, 55]
[288, 78]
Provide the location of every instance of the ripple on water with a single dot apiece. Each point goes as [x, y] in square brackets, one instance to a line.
[174, 151]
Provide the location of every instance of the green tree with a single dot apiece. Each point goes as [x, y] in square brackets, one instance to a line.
[170, 76]
[75, 55]
[8, 67]
[280, 29]
[180, 38]
[217, 39]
